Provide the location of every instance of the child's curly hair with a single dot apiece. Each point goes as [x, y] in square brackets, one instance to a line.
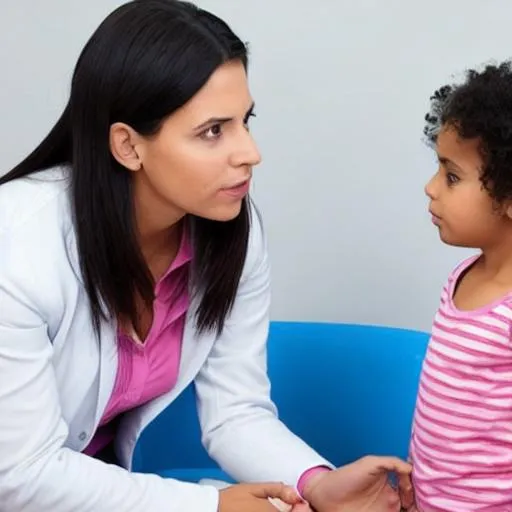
[480, 107]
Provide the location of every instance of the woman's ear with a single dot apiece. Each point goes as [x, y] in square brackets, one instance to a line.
[123, 146]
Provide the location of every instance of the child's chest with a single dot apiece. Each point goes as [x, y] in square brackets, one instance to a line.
[470, 359]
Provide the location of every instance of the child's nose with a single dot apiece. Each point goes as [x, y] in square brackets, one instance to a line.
[430, 187]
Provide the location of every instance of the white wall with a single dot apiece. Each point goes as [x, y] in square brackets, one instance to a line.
[341, 90]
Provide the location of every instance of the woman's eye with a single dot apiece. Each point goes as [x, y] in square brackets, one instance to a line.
[212, 133]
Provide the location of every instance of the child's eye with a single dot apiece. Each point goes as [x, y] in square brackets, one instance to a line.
[451, 178]
[212, 133]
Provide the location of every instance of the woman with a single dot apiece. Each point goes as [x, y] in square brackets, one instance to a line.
[132, 264]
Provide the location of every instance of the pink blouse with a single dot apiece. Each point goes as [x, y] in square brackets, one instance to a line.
[150, 369]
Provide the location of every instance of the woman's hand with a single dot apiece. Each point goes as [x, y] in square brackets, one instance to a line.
[362, 486]
[256, 498]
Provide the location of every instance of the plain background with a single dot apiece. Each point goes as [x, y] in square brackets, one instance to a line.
[341, 89]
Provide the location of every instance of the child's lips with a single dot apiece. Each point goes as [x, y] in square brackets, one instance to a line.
[435, 218]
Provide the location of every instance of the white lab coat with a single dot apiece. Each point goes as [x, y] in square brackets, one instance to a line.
[56, 379]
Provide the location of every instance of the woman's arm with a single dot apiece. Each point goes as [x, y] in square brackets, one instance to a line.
[239, 424]
[37, 474]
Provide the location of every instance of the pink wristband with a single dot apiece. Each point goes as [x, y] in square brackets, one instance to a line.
[305, 477]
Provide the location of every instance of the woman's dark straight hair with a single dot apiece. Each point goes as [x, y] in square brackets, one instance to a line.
[146, 60]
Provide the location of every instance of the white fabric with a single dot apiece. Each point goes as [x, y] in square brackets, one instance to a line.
[56, 379]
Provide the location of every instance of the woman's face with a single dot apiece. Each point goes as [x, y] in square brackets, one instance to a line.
[200, 162]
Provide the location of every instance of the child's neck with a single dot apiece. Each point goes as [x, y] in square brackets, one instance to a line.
[496, 261]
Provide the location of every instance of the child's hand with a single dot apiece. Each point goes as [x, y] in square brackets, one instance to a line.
[406, 493]
[361, 486]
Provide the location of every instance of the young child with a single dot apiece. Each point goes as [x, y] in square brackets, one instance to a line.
[461, 445]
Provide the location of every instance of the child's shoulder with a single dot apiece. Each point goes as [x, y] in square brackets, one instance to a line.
[450, 284]
[461, 267]
[500, 306]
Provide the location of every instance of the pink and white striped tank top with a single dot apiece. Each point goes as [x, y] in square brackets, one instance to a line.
[461, 445]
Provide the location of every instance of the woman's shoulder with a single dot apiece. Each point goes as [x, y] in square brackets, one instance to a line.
[39, 201]
[36, 260]
[257, 243]
[257, 231]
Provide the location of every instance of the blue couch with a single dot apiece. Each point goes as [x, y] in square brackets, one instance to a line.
[347, 390]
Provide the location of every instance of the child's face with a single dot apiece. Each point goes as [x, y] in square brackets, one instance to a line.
[461, 208]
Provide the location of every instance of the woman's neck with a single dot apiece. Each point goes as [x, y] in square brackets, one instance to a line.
[159, 229]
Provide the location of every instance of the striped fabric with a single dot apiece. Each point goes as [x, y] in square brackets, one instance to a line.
[461, 445]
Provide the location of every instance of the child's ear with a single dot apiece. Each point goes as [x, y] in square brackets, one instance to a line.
[508, 209]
